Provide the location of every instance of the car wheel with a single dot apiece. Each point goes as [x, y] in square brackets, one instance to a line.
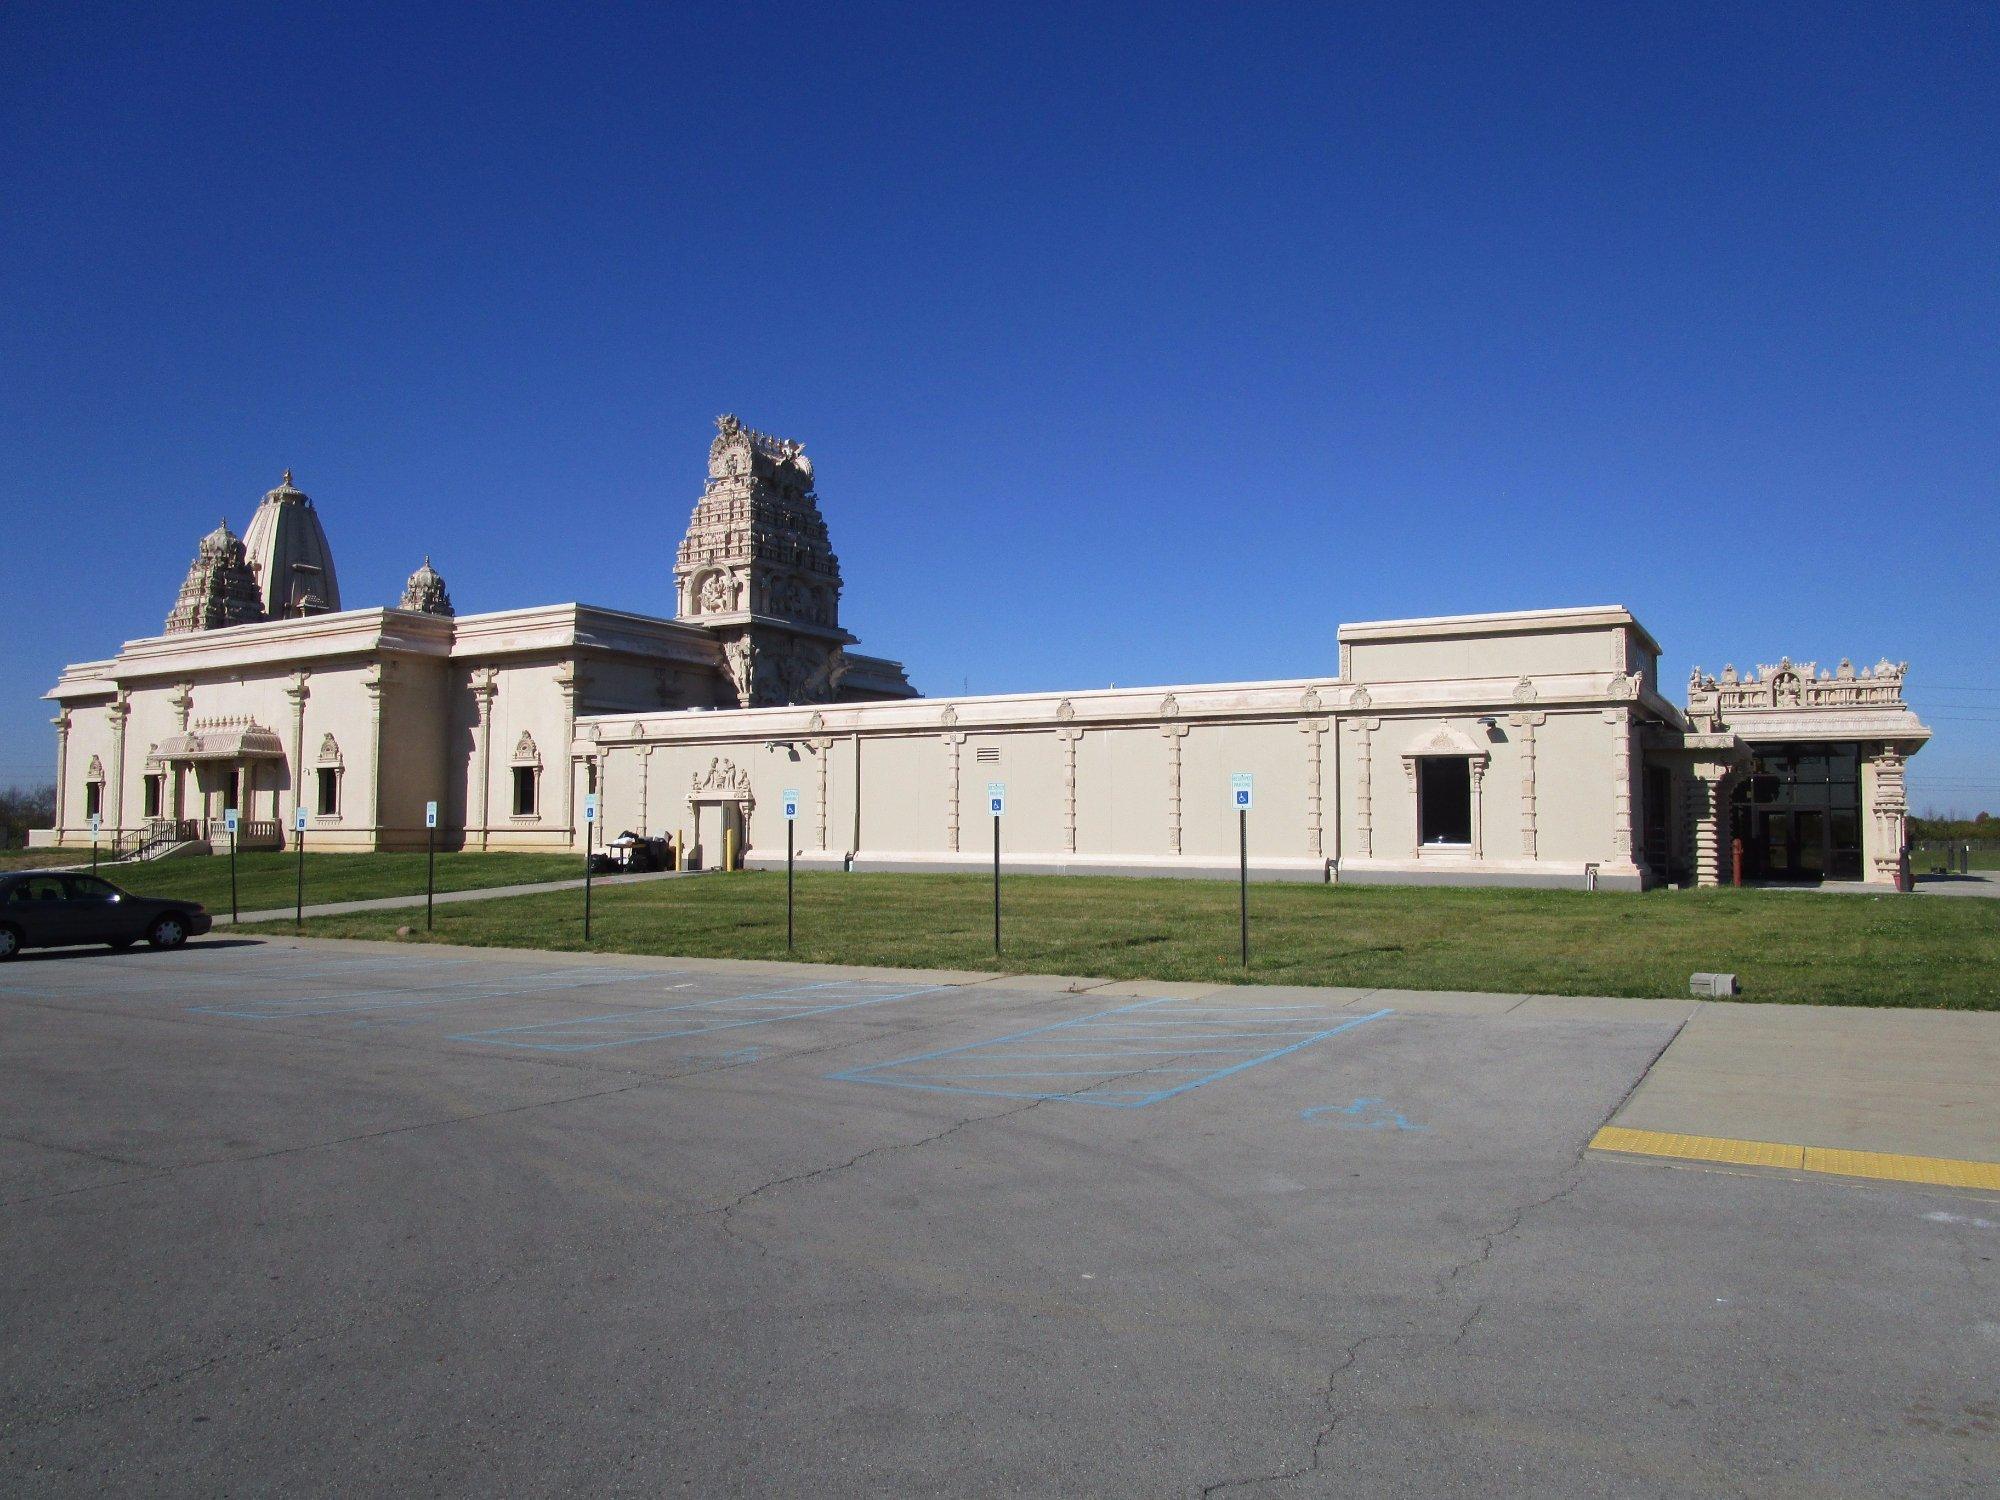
[168, 932]
[10, 942]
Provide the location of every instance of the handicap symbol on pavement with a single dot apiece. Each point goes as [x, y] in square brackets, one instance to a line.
[1362, 1114]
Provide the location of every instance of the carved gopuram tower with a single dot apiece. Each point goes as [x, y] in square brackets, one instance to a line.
[756, 568]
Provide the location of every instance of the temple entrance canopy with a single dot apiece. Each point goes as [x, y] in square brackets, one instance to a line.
[1803, 768]
[215, 766]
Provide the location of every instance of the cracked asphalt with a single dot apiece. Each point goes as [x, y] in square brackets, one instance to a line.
[317, 1218]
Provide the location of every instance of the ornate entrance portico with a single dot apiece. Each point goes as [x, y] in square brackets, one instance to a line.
[221, 764]
[723, 787]
[1803, 766]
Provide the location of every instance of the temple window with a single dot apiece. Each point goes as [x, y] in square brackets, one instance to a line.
[155, 788]
[328, 803]
[1444, 800]
[527, 787]
[93, 799]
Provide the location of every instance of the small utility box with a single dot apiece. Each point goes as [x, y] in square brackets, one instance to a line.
[1712, 986]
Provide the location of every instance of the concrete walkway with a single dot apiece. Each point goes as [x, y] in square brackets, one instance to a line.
[443, 898]
[1978, 883]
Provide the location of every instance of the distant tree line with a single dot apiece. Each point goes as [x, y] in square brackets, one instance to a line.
[1985, 826]
[22, 808]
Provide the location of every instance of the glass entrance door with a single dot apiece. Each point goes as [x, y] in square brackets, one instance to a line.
[1798, 813]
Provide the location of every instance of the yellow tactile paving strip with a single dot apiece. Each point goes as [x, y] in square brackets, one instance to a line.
[1936, 1171]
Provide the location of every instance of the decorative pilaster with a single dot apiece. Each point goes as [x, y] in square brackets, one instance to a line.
[1069, 735]
[296, 692]
[376, 681]
[1620, 722]
[119, 713]
[570, 682]
[1888, 806]
[1314, 731]
[645, 754]
[1528, 722]
[1477, 765]
[1711, 823]
[1175, 732]
[1363, 731]
[62, 724]
[953, 743]
[485, 684]
[824, 744]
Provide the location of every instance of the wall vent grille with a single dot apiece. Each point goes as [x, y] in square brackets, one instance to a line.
[987, 755]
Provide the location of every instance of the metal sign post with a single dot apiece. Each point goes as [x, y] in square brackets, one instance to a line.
[229, 818]
[996, 802]
[791, 801]
[299, 901]
[589, 828]
[1239, 798]
[430, 860]
[95, 820]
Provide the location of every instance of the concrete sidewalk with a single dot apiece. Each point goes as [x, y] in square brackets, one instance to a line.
[442, 898]
[1979, 883]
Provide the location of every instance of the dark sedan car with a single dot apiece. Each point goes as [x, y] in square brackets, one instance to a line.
[44, 909]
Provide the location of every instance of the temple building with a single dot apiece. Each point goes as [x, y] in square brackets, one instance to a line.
[1526, 748]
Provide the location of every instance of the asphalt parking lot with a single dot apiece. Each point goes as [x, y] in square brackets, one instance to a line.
[314, 1218]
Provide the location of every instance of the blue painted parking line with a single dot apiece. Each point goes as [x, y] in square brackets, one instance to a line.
[1109, 1038]
[542, 1036]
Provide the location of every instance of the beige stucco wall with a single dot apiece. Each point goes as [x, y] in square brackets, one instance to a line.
[1139, 779]
[397, 691]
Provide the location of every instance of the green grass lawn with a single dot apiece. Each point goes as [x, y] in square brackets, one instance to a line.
[266, 880]
[1801, 947]
[39, 859]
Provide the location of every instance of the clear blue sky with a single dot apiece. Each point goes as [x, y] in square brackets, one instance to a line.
[1131, 344]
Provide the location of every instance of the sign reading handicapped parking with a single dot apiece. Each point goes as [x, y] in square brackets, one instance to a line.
[298, 820]
[996, 803]
[1239, 798]
[590, 808]
[229, 819]
[791, 801]
[430, 815]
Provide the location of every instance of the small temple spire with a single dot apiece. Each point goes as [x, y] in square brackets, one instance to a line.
[425, 592]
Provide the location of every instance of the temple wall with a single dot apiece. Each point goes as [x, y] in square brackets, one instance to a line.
[1138, 780]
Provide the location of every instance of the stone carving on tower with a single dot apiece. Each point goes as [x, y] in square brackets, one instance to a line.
[288, 552]
[426, 594]
[220, 590]
[756, 568]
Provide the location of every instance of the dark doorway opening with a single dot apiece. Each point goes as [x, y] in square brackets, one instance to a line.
[1798, 814]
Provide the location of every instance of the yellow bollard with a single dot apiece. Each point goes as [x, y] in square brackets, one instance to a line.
[729, 849]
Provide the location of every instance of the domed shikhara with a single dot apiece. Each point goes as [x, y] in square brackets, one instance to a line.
[220, 590]
[425, 593]
[288, 551]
